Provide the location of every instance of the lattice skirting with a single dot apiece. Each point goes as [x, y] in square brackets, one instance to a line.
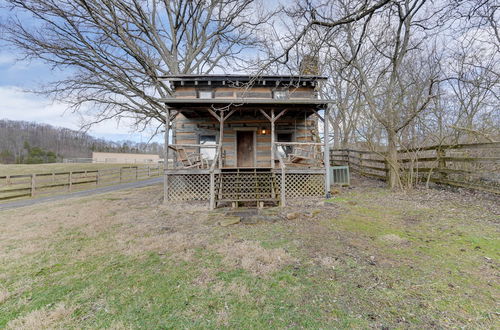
[303, 184]
[188, 187]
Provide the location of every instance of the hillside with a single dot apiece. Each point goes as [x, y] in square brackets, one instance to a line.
[29, 142]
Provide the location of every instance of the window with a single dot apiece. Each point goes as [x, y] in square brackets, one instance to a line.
[280, 95]
[205, 94]
[208, 152]
[285, 150]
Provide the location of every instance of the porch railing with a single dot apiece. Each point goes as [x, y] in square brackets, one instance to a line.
[311, 154]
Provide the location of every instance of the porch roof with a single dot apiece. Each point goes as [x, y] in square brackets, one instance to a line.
[198, 106]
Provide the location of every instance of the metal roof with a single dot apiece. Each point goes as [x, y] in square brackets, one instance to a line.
[238, 77]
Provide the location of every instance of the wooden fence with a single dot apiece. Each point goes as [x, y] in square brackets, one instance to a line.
[43, 184]
[475, 166]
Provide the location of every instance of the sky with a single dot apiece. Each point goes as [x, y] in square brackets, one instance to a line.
[17, 77]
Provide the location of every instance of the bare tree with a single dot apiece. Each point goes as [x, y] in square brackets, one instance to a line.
[116, 51]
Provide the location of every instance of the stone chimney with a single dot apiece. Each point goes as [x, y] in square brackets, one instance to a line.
[309, 66]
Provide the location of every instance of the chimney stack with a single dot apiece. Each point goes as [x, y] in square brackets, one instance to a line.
[309, 66]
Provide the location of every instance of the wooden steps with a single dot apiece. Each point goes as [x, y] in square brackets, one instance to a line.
[246, 185]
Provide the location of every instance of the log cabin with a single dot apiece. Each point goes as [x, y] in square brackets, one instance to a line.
[244, 139]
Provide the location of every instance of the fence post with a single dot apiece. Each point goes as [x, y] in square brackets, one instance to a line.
[136, 173]
[149, 171]
[441, 163]
[33, 184]
[70, 180]
[120, 175]
[7, 180]
[97, 178]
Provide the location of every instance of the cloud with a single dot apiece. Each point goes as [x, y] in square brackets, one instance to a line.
[7, 59]
[16, 104]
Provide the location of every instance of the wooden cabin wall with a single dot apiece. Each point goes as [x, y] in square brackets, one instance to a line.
[251, 93]
[188, 130]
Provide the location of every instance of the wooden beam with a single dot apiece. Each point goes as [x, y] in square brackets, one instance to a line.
[272, 138]
[283, 186]
[173, 115]
[212, 190]
[165, 153]
[265, 115]
[280, 114]
[300, 143]
[317, 114]
[191, 145]
[229, 114]
[221, 137]
[326, 154]
[214, 114]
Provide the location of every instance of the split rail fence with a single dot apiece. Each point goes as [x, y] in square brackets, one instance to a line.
[44, 184]
[475, 166]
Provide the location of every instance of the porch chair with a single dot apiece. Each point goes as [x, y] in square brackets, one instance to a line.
[300, 154]
[190, 159]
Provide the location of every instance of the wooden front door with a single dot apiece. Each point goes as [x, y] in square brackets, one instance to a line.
[246, 148]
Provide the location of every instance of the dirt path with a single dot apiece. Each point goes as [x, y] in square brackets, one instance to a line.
[128, 185]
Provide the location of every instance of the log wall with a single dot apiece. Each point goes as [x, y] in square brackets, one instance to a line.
[189, 130]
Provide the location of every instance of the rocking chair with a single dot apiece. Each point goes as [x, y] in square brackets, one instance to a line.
[190, 159]
[301, 154]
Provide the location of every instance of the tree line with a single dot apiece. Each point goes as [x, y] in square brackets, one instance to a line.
[24, 142]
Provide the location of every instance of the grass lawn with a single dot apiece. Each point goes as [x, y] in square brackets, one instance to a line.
[19, 169]
[367, 258]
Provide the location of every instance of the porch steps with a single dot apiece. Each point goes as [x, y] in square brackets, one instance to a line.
[249, 185]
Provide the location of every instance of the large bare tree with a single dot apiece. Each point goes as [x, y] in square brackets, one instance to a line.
[114, 52]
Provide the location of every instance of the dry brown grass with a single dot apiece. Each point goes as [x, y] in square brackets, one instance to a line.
[144, 227]
[393, 240]
[233, 288]
[212, 275]
[252, 257]
[44, 318]
[4, 294]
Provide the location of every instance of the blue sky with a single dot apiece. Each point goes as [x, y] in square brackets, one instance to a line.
[18, 76]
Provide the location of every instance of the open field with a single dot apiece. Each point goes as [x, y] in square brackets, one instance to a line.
[368, 258]
[18, 169]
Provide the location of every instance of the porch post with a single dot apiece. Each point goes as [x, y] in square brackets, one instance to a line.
[272, 138]
[212, 190]
[283, 187]
[221, 136]
[326, 151]
[165, 156]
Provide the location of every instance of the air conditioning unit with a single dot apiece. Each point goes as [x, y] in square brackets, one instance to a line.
[339, 175]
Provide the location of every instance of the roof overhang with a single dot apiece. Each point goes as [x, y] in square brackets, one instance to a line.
[197, 107]
[237, 77]
[234, 80]
[240, 102]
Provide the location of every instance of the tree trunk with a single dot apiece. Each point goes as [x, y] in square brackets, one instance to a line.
[336, 135]
[393, 178]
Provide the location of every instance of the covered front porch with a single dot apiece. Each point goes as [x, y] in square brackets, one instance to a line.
[243, 154]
